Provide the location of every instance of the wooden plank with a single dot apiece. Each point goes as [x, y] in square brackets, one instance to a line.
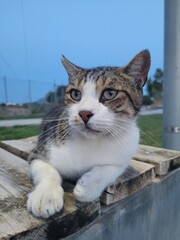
[21, 148]
[17, 222]
[164, 160]
[137, 175]
[24, 146]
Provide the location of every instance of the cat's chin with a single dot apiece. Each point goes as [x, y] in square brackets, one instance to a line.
[90, 133]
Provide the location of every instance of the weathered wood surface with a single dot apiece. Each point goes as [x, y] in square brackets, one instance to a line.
[164, 160]
[21, 148]
[15, 184]
[137, 176]
[17, 222]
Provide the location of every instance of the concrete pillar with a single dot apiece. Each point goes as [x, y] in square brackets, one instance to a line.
[171, 88]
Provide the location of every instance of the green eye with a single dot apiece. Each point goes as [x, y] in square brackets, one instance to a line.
[75, 94]
[109, 94]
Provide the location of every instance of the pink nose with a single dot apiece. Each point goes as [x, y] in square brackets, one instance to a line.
[85, 115]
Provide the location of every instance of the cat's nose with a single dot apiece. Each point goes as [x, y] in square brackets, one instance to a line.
[85, 115]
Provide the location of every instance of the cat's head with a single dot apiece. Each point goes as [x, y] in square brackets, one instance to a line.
[102, 99]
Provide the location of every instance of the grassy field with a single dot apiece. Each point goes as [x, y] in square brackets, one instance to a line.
[150, 129]
[18, 132]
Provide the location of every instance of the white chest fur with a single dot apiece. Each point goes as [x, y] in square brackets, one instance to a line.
[80, 155]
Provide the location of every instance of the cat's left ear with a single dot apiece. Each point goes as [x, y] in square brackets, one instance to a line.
[71, 69]
[138, 68]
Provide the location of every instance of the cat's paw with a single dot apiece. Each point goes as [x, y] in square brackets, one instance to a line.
[45, 201]
[86, 190]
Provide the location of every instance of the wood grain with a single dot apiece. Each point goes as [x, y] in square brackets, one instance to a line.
[164, 160]
[21, 148]
[136, 176]
[15, 184]
[17, 222]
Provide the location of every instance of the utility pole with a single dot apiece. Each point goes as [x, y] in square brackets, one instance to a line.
[5, 90]
[171, 87]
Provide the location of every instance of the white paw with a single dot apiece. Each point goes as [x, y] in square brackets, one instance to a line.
[86, 189]
[45, 200]
[86, 179]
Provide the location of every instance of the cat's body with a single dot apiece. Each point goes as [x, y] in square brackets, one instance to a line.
[95, 136]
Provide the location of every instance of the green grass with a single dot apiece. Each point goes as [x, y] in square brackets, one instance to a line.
[150, 131]
[18, 132]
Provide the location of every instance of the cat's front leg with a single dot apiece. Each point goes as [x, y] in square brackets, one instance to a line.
[91, 184]
[47, 197]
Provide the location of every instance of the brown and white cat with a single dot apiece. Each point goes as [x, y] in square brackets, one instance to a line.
[93, 138]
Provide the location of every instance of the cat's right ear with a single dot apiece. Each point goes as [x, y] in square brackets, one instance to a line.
[71, 69]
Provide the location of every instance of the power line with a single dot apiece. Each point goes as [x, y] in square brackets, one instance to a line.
[27, 79]
[8, 65]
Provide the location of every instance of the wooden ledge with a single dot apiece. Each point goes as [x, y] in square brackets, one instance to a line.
[17, 222]
[20, 148]
[164, 160]
[15, 184]
[137, 176]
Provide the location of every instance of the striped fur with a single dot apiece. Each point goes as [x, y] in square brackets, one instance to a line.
[92, 138]
[128, 80]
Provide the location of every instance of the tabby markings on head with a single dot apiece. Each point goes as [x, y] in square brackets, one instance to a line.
[124, 82]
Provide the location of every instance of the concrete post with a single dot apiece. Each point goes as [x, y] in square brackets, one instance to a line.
[171, 88]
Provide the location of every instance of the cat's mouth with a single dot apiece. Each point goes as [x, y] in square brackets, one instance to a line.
[89, 128]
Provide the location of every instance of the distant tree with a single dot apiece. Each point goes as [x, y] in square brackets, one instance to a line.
[147, 100]
[155, 85]
[57, 95]
[50, 97]
[3, 104]
[60, 92]
[158, 76]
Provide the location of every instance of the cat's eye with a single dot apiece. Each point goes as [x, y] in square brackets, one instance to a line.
[109, 94]
[75, 94]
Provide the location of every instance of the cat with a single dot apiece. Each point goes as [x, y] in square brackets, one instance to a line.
[93, 138]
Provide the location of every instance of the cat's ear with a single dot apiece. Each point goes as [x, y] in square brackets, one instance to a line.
[71, 69]
[138, 68]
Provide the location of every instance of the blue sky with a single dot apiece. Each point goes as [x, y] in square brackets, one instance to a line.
[34, 34]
